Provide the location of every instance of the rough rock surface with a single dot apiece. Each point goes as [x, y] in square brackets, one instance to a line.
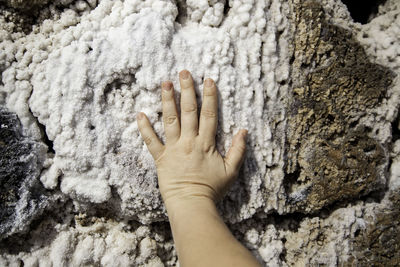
[318, 92]
[21, 194]
[335, 86]
[25, 5]
[379, 242]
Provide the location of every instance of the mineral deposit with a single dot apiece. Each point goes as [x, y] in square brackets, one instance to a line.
[318, 91]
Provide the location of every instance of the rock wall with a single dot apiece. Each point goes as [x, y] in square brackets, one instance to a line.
[318, 92]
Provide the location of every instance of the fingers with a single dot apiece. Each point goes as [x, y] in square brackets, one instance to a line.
[234, 157]
[209, 113]
[170, 114]
[189, 119]
[150, 138]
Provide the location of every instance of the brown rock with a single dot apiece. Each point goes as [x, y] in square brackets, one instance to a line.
[379, 243]
[331, 157]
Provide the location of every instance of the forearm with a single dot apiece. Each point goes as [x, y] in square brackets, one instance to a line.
[202, 238]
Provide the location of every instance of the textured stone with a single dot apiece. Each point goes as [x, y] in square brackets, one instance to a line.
[331, 156]
[22, 14]
[22, 197]
[25, 5]
[313, 88]
[379, 242]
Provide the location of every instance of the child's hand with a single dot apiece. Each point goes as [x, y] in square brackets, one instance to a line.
[188, 165]
[192, 176]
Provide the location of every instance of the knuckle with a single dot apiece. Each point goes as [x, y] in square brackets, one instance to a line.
[208, 148]
[188, 146]
[208, 113]
[147, 140]
[158, 158]
[167, 96]
[210, 91]
[189, 107]
[187, 85]
[171, 119]
[240, 148]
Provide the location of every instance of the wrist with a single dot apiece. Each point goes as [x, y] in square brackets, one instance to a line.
[188, 201]
[185, 192]
[189, 205]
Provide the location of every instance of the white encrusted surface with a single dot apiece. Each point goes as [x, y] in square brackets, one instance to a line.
[66, 77]
[85, 75]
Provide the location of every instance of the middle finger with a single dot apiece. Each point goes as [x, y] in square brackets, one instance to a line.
[189, 119]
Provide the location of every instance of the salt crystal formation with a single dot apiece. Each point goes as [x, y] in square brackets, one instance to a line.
[318, 92]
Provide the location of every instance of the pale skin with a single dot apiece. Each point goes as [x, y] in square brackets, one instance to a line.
[193, 176]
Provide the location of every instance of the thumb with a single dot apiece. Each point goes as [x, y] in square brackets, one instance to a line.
[235, 156]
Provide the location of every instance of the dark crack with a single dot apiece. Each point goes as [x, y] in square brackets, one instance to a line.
[119, 80]
[226, 8]
[396, 129]
[46, 139]
[182, 12]
[363, 10]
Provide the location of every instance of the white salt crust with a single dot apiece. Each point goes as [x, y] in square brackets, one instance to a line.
[62, 73]
[102, 243]
[65, 74]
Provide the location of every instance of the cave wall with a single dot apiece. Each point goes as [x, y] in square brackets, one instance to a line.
[318, 92]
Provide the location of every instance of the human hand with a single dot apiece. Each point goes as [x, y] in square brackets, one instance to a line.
[188, 165]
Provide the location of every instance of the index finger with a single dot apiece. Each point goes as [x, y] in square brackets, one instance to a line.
[170, 115]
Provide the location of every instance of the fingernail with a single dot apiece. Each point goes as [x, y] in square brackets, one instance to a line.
[140, 116]
[184, 74]
[167, 86]
[208, 82]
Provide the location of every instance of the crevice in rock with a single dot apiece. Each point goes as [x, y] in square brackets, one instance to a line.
[226, 8]
[282, 256]
[396, 129]
[225, 12]
[182, 12]
[363, 11]
[110, 209]
[46, 140]
[289, 179]
[162, 229]
[120, 80]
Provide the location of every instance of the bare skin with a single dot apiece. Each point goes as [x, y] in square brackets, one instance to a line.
[193, 176]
